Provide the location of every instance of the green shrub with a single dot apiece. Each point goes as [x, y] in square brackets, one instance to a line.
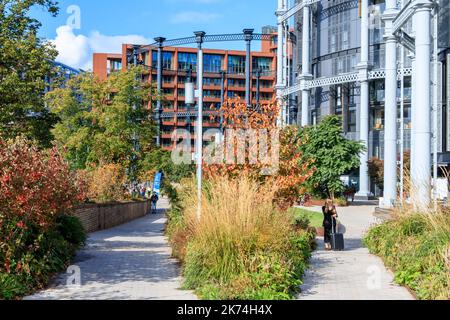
[52, 252]
[71, 229]
[415, 247]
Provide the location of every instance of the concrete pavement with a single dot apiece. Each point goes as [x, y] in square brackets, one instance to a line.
[128, 262]
[353, 274]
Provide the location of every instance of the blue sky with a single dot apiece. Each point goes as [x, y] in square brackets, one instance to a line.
[104, 24]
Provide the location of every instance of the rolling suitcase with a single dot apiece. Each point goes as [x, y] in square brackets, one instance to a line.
[337, 239]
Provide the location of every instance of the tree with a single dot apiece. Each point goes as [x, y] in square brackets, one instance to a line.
[25, 62]
[104, 122]
[330, 154]
[376, 171]
[291, 171]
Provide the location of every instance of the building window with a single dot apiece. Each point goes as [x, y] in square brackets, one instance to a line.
[234, 94]
[377, 119]
[338, 101]
[376, 91]
[168, 106]
[262, 63]
[211, 94]
[263, 83]
[187, 60]
[213, 63]
[351, 109]
[377, 56]
[212, 81]
[167, 79]
[113, 66]
[167, 60]
[182, 80]
[236, 64]
[236, 83]
[407, 121]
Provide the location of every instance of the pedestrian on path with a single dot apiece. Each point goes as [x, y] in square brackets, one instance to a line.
[329, 222]
[154, 199]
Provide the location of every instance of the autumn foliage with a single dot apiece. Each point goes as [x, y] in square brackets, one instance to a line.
[105, 182]
[36, 188]
[291, 171]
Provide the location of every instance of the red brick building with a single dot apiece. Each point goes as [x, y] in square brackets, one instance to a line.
[176, 63]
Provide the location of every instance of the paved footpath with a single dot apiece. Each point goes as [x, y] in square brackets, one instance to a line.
[129, 262]
[353, 274]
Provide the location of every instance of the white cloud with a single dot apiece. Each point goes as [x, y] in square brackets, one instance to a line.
[193, 17]
[76, 50]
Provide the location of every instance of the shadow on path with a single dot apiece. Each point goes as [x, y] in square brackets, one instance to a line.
[128, 262]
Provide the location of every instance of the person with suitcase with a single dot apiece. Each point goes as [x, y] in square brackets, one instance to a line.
[329, 222]
[154, 200]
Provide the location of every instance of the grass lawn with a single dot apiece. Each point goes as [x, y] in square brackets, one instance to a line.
[315, 218]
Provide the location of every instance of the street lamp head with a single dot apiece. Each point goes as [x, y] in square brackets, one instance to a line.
[160, 41]
[199, 35]
[248, 34]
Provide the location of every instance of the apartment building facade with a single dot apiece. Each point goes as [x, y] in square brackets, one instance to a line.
[224, 77]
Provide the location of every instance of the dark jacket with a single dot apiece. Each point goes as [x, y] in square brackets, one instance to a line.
[328, 219]
[154, 198]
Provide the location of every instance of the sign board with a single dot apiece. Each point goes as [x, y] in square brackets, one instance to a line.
[345, 180]
[189, 93]
[442, 188]
[158, 183]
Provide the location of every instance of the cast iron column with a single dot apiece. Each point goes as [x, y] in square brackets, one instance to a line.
[160, 42]
[200, 36]
[248, 35]
[364, 188]
[390, 113]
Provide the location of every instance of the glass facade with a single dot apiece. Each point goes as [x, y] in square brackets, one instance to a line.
[212, 81]
[187, 60]
[167, 60]
[236, 64]
[262, 63]
[236, 82]
[213, 63]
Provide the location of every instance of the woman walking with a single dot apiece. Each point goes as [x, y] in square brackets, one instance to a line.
[329, 221]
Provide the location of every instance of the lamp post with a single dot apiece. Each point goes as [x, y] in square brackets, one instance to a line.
[222, 99]
[248, 40]
[160, 41]
[199, 37]
[189, 99]
[258, 86]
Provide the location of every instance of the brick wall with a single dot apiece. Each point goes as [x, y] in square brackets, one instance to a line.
[95, 217]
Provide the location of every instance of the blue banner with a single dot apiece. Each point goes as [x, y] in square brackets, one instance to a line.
[157, 183]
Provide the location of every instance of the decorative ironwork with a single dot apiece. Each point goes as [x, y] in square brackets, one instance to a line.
[220, 38]
[344, 78]
[181, 114]
[403, 16]
[296, 8]
[344, 6]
